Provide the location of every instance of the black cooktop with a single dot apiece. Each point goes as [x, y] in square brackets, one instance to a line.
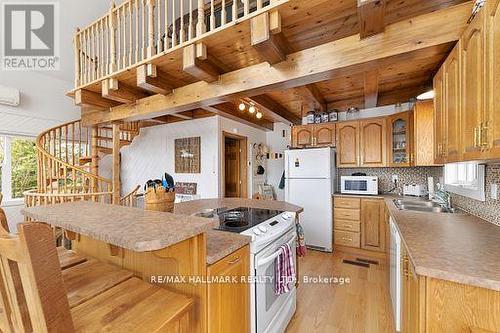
[243, 218]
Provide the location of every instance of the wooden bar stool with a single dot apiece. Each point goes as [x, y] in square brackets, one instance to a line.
[131, 305]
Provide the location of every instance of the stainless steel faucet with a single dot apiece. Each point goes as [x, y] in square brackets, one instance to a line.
[443, 198]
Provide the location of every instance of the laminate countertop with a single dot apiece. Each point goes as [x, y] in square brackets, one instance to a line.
[456, 247]
[130, 228]
[221, 243]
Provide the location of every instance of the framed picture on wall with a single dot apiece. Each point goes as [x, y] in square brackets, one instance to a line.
[187, 155]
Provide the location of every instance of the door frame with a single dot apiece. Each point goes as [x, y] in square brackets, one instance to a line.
[243, 163]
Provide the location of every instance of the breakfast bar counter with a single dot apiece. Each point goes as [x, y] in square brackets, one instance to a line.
[129, 228]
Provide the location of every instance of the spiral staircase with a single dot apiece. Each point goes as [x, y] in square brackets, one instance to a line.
[68, 162]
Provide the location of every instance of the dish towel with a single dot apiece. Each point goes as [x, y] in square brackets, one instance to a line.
[284, 271]
[301, 242]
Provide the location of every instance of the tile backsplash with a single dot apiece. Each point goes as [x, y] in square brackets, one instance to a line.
[488, 210]
[407, 176]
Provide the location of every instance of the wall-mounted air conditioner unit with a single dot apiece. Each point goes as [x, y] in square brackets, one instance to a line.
[9, 96]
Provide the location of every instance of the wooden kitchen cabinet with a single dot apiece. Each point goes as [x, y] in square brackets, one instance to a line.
[399, 139]
[229, 304]
[373, 224]
[412, 291]
[439, 118]
[491, 131]
[359, 222]
[348, 144]
[372, 139]
[452, 91]
[302, 136]
[473, 59]
[423, 134]
[313, 135]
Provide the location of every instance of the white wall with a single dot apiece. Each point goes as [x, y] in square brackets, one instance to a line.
[151, 154]
[277, 144]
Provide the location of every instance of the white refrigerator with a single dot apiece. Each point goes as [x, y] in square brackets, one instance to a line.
[309, 183]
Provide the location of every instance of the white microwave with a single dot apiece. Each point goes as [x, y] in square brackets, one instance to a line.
[364, 185]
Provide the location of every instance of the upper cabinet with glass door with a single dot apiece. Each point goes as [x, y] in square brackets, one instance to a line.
[399, 140]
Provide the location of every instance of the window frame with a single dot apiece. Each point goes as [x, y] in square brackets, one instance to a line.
[6, 177]
[477, 193]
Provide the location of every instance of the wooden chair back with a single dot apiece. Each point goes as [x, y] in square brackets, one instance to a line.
[35, 294]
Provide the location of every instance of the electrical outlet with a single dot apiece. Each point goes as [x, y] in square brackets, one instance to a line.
[395, 178]
[494, 191]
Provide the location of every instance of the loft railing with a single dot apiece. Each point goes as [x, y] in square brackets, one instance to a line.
[137, 30]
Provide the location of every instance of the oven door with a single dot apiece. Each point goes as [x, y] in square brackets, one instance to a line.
[270, 309]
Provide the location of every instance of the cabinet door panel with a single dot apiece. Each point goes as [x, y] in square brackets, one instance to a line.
[372, 225]
[452, 105]
[373, 142]
[473, 98]
[302, 136]
[423, 133]
[492, 117]
[324, 135]
[439, 118]
[347, 144]
[399, 139]
[228, 303]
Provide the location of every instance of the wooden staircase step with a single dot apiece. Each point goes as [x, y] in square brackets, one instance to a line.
[105, 138]
[105, 150]
[68, 258]
[84, 160]
[129, 303]
[136, 131]
[90, 279]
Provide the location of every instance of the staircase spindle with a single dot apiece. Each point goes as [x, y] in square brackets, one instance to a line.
[190, 27]
[223, 13]
[200, 25]
[131, 37]
[158, 27]
[181, 31]
[174, 30]
[212, 15]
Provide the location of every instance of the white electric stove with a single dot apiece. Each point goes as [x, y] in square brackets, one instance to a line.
[269, 229]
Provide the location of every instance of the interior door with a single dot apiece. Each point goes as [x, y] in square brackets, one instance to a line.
[473, 78]
[452, 105]
[232, 168]
[492, 117]
[373, 142]
[348, 144]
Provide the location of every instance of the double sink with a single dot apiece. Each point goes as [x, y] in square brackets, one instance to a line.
[422, 206]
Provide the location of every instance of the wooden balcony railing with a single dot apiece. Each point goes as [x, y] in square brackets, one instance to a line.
[137, 30]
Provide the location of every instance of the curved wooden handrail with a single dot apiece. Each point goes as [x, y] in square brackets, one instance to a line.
[130, 199]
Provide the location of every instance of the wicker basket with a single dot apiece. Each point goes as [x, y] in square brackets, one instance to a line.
[159, 200]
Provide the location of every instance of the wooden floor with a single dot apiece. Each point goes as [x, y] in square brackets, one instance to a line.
[361, 306]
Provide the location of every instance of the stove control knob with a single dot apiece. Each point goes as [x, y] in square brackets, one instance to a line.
[256, 231]
[262, 228]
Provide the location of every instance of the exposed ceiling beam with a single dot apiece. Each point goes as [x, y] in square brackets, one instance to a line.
[371, 88]
[197, 64]
[267, 38]
[154, 80]
[230, 110]
[342, 57]
[87, 98]
[312, 94]
[120, 92]
[371, 17]
[274, 110]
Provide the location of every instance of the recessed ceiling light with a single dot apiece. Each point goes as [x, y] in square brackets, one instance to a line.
[258, 115]
[252, 109]
[426, 95]
[242, 106]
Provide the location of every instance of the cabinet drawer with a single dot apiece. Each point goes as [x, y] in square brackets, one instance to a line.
[347, 225]
[347, 214]
[347, 238]
[343, 202]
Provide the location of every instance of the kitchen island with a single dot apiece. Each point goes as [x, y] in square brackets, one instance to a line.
[152, 245]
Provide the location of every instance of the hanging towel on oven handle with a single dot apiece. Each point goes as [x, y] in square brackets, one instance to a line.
[284, 270]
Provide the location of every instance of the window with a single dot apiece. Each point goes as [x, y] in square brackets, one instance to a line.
[466, 179]
[18, 166]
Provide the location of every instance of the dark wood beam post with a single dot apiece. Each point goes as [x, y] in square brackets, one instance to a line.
[371, 88]
[371, 17]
